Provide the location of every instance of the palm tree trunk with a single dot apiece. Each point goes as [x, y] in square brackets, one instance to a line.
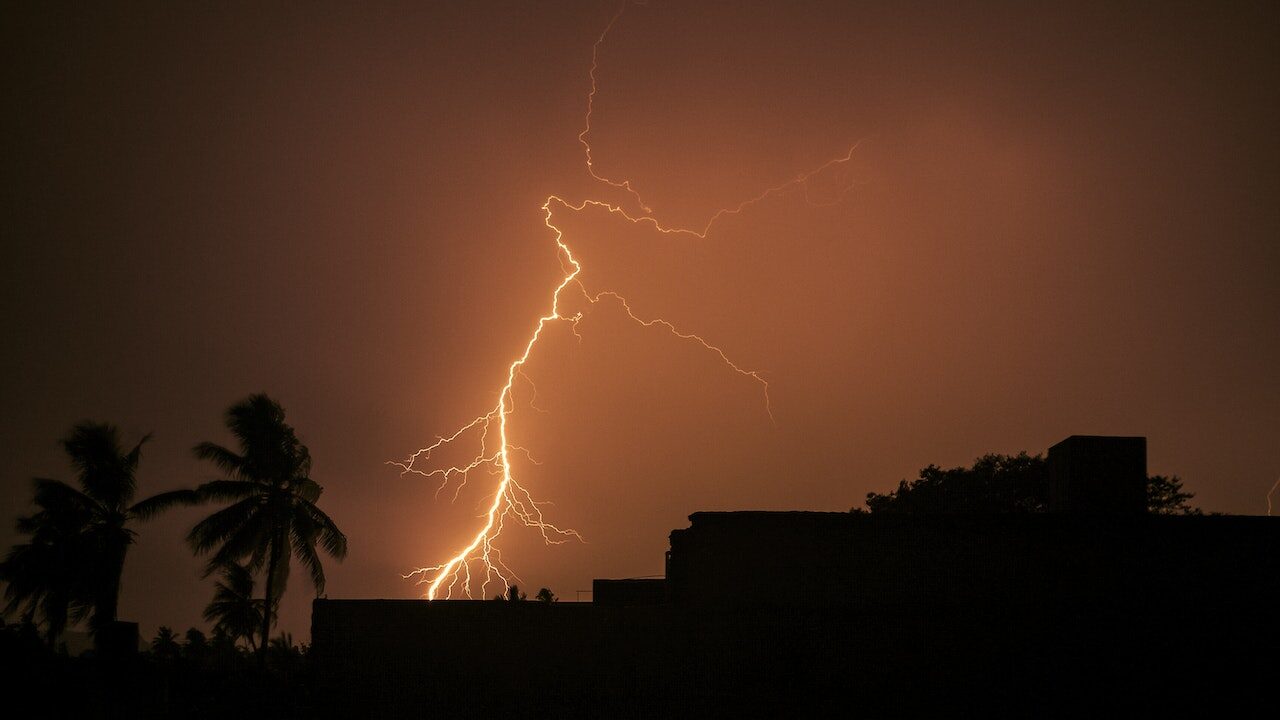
[55, 614]
[51, 635]
[106, 609]
[268, 605]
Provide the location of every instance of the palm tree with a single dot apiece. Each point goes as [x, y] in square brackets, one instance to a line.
[44, 578]
[273, 516]
[79, 536]
[165, 643]
[196, 646]
[234, 611]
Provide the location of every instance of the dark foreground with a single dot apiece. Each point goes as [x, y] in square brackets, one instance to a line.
[775, 614]
[209, 681]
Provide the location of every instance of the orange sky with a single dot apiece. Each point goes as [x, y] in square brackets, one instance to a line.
[1064, 221]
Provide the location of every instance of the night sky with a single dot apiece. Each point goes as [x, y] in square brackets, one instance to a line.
[1060, 221]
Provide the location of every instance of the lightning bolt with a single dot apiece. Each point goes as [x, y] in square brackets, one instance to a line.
[479, 561]
[1271, 492]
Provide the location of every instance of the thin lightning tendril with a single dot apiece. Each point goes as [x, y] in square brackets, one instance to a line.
[510, 500]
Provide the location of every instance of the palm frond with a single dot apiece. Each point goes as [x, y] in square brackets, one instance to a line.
[237, 580]
[149, 508]
[58, 498]
[91, 446]
[246, 541]
[94, 451]
[258, 558]
[302, 461]
[331, 538]
[26, 572]
[307, 489]
[215, 490]
[223, 524]
[134, 456]
[304, 546]
[226, 460]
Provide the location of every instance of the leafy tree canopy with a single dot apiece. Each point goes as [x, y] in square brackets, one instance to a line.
[1004, 483]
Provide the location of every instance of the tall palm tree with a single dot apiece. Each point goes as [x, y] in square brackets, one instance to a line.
[234, 611]
[273, 515]
[79, 536]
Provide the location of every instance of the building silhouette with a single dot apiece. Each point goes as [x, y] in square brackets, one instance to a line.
[1093, 605]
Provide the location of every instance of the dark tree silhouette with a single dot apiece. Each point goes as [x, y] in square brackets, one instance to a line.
[282, 646]
[545, 596]
[79, 536]
[1165, 496]
[44, 578]
[165, 643]
[999, 483]
[234, 611]
[1004, 483]
[196, 645]
[223, 645]
[273, 515]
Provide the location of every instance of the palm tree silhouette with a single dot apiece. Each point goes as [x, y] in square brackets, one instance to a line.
[273, 516]
[44, 578]
[165, 643]
[79, 537]
[234, 611]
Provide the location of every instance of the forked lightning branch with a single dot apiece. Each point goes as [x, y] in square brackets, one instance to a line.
[478, 562]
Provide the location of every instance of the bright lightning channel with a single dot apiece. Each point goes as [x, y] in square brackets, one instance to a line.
[511, 501]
